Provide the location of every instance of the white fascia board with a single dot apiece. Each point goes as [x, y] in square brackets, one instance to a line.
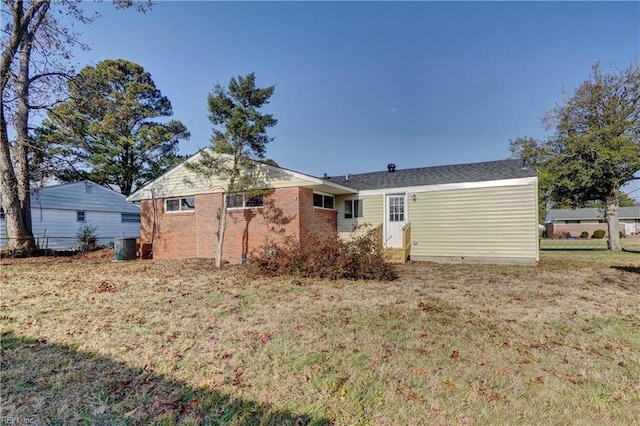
[451, 186]
[311, 179]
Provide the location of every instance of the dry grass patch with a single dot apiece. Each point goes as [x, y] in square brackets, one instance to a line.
[178, 342]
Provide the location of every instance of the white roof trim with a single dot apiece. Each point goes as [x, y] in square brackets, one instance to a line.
[135, 196]
[450, 186]
[311, 179]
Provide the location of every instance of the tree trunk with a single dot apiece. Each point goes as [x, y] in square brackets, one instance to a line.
[14, 172]
[613, 228]
[222, 227]
[19, 237]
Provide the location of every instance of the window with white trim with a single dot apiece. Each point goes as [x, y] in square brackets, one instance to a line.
[352, 209]
[323, 200]
[240, 201]
[184, 204]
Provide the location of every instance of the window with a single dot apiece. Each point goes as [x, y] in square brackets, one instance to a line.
[180, 204]
[1, 213]
[130, 217]
[322, 200]
[352, 209]
[238, 201]
[80, 216]
[396, 208]
[571, 221]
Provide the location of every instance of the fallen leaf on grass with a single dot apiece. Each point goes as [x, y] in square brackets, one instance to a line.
[100, 410]
[454, 354]
[412, 396]
[419, 371]
[450, 384]
[495, 396]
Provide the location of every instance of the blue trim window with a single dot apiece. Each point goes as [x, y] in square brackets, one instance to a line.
[130, 217]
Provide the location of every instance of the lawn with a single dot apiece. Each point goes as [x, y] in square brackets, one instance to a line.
[178, 342]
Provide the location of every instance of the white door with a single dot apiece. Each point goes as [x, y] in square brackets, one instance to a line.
[395, 220]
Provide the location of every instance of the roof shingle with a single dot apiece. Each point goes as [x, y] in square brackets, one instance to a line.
[437, 175]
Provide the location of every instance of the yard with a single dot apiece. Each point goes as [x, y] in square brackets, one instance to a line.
[178, 342]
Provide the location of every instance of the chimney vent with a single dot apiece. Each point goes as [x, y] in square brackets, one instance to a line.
[391, 167]
[346, 177]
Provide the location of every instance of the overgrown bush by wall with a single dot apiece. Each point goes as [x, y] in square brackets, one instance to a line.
[598, 233]
[584, 234]
[328, 257]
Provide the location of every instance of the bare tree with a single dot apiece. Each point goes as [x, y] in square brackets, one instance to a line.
[37, 39]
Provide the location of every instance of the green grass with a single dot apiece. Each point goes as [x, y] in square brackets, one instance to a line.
[178, 342]
[587, 243]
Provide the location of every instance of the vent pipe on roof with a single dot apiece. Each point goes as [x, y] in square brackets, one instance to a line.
[346, 177]
[391, 167]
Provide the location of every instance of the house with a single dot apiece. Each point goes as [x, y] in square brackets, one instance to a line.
[482, 212]
[576, 221]
[59, 211]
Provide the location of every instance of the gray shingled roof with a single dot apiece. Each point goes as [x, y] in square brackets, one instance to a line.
[87, 196]
[456, 173]
[590, 214]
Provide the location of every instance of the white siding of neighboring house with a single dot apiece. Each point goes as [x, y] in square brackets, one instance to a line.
[494, 224]
[57, 229]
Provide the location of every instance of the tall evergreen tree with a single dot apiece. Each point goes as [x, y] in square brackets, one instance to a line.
[105, 132]
[239, 137]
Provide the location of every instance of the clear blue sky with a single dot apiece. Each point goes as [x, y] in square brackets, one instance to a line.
[363, 84]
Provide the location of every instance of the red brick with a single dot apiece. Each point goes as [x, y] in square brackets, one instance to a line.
[287, 213]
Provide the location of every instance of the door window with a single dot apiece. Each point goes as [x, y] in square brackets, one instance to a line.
[396, 209]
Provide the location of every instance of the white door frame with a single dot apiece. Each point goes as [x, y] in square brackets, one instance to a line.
[393, 233]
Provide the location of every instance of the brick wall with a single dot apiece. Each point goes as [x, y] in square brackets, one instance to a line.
[175, 234]
[576, 228]
[287, 213]
[315, 220]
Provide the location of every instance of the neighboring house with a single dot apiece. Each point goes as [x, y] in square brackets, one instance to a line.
[59, 211]
[483, 212]
[575, 221]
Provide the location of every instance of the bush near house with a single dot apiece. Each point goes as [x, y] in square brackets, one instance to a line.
[584, 234]
[359, 258]
[598, 233]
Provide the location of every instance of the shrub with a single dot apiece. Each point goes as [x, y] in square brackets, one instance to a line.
[87, 236]
[561, 235]
[584, 234]
[598, 233]
[328, 257]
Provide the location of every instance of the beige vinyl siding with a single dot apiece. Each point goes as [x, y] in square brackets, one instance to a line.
[182, 182]
[497, 222]
[372, 212]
